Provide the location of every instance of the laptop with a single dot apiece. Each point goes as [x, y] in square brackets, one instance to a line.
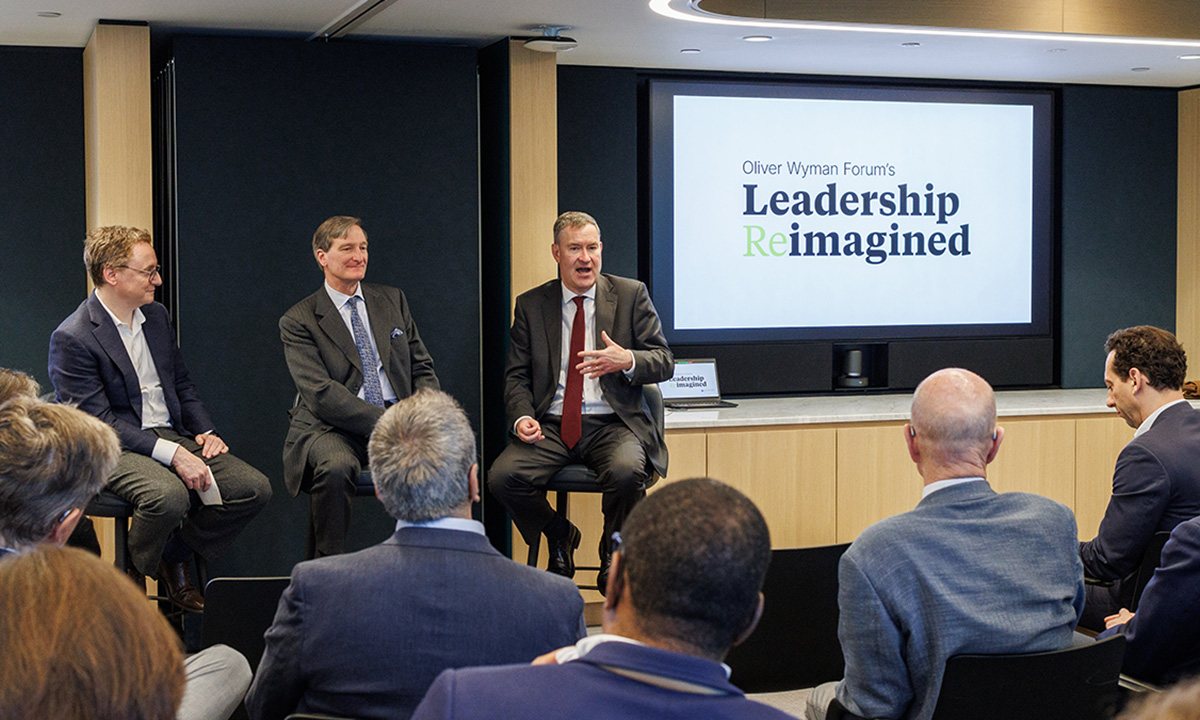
[693, 385]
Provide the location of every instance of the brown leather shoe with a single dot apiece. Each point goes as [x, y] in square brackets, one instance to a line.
[177, 580]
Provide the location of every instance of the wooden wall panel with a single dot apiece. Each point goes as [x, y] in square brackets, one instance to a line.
[1146, 18]
[1098, 441]
[876, 477]
[687, 451]
[1187, 275]
[789, 473]
[534, 169]
[1036, 456]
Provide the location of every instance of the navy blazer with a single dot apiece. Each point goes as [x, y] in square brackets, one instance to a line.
[90, 368]
[1162, 641]
[363, 635]
[1156, 486]
[587, 688]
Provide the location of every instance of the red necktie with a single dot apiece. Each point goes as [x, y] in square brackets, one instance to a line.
[572, 417]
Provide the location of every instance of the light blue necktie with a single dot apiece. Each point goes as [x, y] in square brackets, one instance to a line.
[372, 390]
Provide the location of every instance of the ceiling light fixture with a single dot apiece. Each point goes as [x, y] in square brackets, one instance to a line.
[355, 15]
[1189, 57]
[690, 51]
[910, 44]
[551, 41]
[758, 38]
[667, 8]
[1140, 69]
[48, 14]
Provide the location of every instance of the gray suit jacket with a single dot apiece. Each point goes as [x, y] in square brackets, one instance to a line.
[363, 635]
[967, 571]
[327, 369]
[625, 312]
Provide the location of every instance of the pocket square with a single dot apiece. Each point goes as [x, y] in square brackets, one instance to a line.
[396, 332]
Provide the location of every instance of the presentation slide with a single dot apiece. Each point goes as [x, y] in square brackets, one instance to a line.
[809, 212]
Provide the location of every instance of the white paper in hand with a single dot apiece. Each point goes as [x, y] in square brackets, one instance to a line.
[211, 496]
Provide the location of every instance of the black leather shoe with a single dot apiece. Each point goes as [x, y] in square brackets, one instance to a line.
[602, 576]
[177, 581]
[562, 553]
[139, 580]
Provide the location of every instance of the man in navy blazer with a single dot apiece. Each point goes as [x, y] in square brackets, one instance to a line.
[968, 570]
[622, 348]
[1162, 639]
[363, 635]
[116, 358]
[685, 586]
[1156, 484]
[326, 445]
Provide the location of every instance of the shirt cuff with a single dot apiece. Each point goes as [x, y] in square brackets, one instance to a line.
[632, 365]
[164, 451]
[514, 427]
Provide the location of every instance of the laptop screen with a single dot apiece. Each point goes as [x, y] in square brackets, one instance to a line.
[693, 380]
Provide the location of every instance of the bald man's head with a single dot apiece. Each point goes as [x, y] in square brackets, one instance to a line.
[954, 415]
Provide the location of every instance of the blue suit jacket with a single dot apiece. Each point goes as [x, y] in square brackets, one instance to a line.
[1162, 641]
[1156, 486]
[583, 688]
[967, 571]
[363, 635]
[90, 368]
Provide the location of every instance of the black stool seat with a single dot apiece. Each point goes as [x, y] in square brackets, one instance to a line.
[110, 505]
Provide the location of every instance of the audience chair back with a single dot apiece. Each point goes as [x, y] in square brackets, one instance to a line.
[796, 644]
[237, 611]
[1076, 683]
[579, 478]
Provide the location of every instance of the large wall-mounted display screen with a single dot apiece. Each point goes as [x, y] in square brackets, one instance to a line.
[813, 212]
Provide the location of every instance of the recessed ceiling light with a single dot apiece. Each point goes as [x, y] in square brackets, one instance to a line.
[910, 44]
[1189, 57]
[49, 14]
[758, 38]
[1140, 69]
[1057, 50]
[690, 51]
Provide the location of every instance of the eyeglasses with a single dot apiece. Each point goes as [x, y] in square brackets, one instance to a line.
[156, 270]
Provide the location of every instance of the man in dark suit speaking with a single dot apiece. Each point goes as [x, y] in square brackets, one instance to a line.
[363, 635]
[329, 338]
[581, 348]
[115, 357]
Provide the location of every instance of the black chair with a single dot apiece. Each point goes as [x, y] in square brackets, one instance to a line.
[1076, 683]
[310, 716]
[796, 644]
[580, 478]
[110, 505]
[237, 611]
[1151, 559]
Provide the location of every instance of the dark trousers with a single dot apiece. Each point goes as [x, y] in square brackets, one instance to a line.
[335, 462]
[518, 477]
[163, 505]
[1105, 600]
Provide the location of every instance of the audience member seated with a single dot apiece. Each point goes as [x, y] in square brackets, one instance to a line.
[968, 571]
[116, 358]
[364, 634]
[1162, 640]
[1181, 702]
[1156, 484]
[685, 586]
[53, 460]
[15, 382]
[78, 642]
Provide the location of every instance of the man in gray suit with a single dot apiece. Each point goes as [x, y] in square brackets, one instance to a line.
[580, 350]
[968, 571]
[363, 635]
[328, 338]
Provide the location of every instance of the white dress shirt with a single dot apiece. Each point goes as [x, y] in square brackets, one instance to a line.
[1149, 421]
[341, 301]
[154, 402]
[447, 523]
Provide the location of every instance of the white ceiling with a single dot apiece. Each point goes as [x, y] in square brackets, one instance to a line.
[629, 33]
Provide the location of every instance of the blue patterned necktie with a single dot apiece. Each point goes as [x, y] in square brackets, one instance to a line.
[372, 390]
